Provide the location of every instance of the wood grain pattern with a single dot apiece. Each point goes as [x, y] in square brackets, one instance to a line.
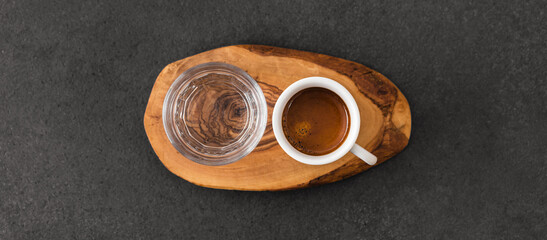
[385, 114]
[217, 123]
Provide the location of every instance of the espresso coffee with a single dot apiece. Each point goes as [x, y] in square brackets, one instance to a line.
[316, 121]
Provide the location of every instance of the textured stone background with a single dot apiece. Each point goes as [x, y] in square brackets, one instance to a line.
[75, 78]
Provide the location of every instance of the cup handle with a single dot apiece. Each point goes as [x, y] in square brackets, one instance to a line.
[363, 154]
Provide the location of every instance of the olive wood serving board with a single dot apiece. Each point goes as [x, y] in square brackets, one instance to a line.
[385, 124]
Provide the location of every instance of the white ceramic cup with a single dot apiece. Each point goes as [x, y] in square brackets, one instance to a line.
[355, 123]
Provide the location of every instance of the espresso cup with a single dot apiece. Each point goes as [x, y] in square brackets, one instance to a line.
[354, 126]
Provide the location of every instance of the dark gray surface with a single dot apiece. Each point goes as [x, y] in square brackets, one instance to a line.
[75, 161]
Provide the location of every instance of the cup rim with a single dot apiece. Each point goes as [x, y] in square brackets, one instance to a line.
[343, 93]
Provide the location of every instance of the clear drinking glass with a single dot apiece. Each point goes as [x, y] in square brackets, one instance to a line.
[214, 113]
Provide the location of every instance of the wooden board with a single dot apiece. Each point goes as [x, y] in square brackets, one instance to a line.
[385, 114]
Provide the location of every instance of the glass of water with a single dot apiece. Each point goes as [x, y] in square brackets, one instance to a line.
[214, 113]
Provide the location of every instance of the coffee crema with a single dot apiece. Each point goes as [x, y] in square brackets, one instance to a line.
[316, 121]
